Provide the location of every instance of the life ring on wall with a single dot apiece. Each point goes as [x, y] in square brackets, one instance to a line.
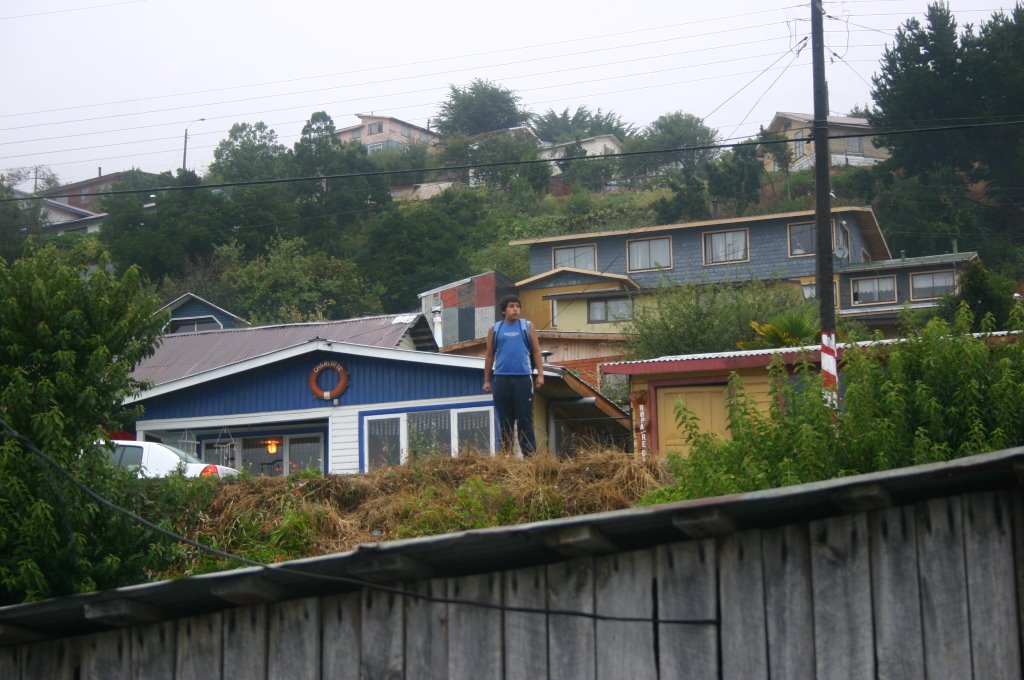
[314, 385]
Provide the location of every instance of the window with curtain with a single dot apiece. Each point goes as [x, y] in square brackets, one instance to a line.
[579, 257]
[725, 246]
[654, 253]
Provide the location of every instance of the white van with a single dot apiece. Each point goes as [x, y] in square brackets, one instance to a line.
[153, 459]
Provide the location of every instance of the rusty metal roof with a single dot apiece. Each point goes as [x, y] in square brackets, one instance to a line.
[181, 355]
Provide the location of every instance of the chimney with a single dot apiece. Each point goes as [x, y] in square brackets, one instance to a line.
[436, 312]
[956, 246]
[99, 171]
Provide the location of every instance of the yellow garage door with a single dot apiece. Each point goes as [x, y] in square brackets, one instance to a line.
[706, 402]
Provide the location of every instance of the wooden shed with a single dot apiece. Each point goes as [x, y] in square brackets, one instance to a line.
[911, 573]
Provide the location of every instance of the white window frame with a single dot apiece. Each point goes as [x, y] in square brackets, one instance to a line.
[193, 321]
[554, 313]
[853, 285]
[591, 246]
[809, 289]
[952, 284]
[374, 148]
[236, 457]
[746, 246]
[654, 267]
[375, 128]
[799, 146]
[403, 429]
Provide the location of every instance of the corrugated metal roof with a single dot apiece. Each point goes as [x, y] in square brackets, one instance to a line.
[513, 547]
[903, 262]
[184, 354]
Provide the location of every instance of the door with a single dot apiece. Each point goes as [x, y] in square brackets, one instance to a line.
[706, 402]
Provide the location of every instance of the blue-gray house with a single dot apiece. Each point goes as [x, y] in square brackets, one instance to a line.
[590, 281]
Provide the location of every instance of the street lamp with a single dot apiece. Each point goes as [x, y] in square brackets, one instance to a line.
[184, 151]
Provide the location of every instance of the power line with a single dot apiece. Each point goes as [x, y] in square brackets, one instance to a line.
[72, 9]
[471, 166]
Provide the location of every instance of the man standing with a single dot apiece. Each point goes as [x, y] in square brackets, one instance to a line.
[511, 344]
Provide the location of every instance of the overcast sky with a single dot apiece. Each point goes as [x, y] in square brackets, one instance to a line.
[92, 84]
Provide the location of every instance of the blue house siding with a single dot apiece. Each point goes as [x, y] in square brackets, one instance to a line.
[768, 253]
[284, 386]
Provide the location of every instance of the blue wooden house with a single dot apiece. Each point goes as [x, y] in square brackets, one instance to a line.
[190, 313]
[342, 397]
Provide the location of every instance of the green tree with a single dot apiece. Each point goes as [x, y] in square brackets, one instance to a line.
[161, 232]
[251, 152]
[481, 106]
[735, 179]
[985, 293]
[674, 135]
[688, 201]
[72, 332]
[424, 245]
[286, 285]
[561, 127]
[710, 317]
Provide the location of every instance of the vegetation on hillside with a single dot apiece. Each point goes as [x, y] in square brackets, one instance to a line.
[938, 393]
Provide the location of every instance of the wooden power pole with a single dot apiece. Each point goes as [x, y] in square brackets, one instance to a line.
[823, 208]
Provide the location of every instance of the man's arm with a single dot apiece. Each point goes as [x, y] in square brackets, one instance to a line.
[538, 357]
[489, 360]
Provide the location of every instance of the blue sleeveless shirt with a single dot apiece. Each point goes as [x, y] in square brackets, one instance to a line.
[511, 351]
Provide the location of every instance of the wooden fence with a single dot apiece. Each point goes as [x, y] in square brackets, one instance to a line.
[931, 590]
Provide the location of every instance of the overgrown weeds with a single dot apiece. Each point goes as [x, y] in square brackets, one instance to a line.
[271, 519]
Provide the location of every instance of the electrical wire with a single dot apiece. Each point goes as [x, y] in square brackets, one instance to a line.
[343, 580]
[497, 164]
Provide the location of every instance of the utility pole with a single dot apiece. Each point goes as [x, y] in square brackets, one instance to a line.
[823, 209]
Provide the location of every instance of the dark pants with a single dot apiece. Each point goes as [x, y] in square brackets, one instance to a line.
[513, 400]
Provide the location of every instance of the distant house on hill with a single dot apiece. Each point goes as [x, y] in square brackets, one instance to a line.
[81, 194]
[853, 150]
[191, 313]
[61, 218]
[380, 133]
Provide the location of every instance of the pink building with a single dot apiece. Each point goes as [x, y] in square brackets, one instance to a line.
[378, 133]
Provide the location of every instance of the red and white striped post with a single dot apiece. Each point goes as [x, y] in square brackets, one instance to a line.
[829, 369]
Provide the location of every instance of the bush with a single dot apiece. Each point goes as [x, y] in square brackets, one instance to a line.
[937, 395]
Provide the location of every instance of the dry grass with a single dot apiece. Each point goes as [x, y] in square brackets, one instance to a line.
[429, 494]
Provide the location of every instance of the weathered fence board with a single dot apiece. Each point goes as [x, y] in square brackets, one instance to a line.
[198, 650]
[474, 633]
[106, 656]
[788, 602]
[940, 555]
[10, 663]
[687, 590]
[843, 634]
[895, 594]
[526, 634]
[382, 635]
[52, 660]
[294, 639]
[245, 643]
[153, 650]
[426, 623]
[623, 586]
[341, 635]
[571, 639]
[743, 636]
[991, 587]
[1017, 510]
